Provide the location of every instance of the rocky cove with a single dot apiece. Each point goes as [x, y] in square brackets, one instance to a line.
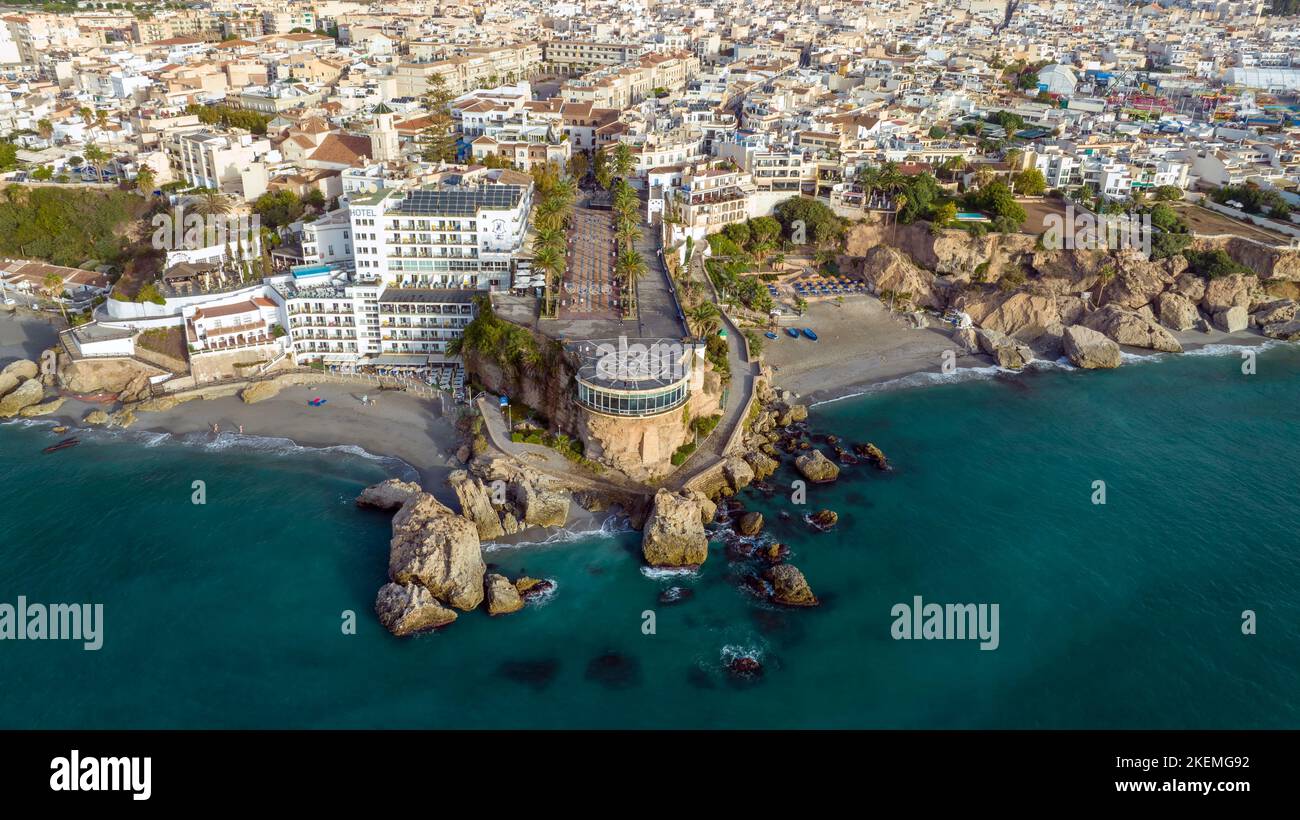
[1022, 298]
[436, 565]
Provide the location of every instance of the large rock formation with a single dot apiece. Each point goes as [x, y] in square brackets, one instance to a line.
[1026, 316]
[502, 597]
[1275, 312]
[674, 533]
[1233, 319]
[388, 495]
[97, 418]
[1089, 349]
[126, 378]
[887, 269]
[435, 547]
[1178, 312]
[20, 369]
[815, 466]
[762, 464]
[1128, 328]
[475, 501]
[1005, 350]
[738, 472]
[1287, 331]
[1228, 291]
[532, 499]
[406, 609]
[789, 587]
[44, 408]
[25, 394]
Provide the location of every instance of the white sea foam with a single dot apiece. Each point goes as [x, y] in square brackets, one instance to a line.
[929, 378]
[661, 573]
[613, 525]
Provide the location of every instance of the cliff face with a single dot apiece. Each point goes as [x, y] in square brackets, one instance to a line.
[639, 448]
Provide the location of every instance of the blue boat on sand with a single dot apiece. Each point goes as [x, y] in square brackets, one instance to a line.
[770, 335]
[792, 333]
[809, 333]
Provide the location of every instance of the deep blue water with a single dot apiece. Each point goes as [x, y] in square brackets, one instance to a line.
[1126, 614]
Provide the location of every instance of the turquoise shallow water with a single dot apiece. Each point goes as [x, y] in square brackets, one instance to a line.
[1122, 615]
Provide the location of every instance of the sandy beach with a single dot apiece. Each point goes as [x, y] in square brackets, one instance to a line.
[23, 336]
[860, 343]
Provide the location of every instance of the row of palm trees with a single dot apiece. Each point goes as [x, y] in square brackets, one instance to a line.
[629, 264]
[555, 197]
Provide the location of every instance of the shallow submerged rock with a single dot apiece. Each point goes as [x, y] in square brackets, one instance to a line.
[674, 532]
[405, 609]
[824, 519]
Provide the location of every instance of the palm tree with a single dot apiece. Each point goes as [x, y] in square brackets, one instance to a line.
[87, 116]
[900, 202]
[704, 317]
[53, 287]
[101, 119]
[627, 230]
[629, 266]
[96, 157]
[144, 180]
[45, 128]
[212, 203]
[623, 160]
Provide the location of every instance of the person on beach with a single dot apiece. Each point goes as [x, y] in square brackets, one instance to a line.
[241, 429]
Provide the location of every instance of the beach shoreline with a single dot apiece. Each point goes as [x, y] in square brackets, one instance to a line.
[862, 349]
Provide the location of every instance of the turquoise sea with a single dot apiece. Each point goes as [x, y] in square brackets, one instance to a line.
[1126, 614]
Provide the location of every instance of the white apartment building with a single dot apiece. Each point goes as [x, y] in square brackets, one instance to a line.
[446, 236]
[210, 160]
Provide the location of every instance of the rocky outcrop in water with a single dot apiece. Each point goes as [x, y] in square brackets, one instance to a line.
[815, 466]
[824, 519]
[762, 464]
[388, 495]
[406, 609]
[1089, 349]
[501, 595]
[1005, 350]
[750, 524]
[789, 587]
[1286, 331]
[438, 549]
[674, 532]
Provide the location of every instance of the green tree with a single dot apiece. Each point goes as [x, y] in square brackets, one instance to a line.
[1030, 182]
[439, 136]
[96, 157]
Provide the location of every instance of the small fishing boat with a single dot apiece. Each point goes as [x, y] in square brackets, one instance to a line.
[67, 442]
[792, 333]
[770, 335]
[809, 333]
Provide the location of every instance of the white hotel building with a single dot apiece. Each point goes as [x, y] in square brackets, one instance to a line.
[418, 257]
